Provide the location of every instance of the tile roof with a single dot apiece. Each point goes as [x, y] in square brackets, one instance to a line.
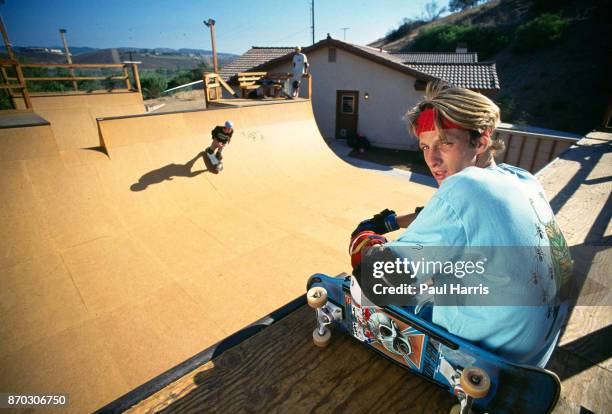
[436, 57]
[252, 58]
[481, 76]
[459, 69]
[377, 52]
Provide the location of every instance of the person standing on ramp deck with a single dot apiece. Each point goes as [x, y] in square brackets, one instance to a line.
[300, 68]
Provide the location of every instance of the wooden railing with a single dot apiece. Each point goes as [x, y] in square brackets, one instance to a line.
[8, 81]
[212, 87]
[531, 150]
[21, 82]
[248, 81]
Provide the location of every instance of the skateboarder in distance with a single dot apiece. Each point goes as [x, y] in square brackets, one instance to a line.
[221, 136]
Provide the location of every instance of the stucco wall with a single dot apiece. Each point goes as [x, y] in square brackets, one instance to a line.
[391, 94]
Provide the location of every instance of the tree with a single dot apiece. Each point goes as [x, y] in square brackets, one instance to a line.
[433, 11]
[460, 5]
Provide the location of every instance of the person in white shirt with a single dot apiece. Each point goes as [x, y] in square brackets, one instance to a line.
[299, 69]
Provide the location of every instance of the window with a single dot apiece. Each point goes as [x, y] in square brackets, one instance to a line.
[331, 54]
[348, 104]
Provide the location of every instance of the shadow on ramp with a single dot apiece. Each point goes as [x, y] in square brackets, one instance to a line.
[168, 172]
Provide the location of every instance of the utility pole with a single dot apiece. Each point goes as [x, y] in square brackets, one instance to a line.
[211, 23]
[68, 58]
[344, 29]
[313, 21]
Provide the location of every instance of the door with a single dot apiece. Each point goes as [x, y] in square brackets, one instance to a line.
[347, 112]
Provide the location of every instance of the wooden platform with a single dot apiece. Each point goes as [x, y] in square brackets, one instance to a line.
[279, 370]
[579, 187]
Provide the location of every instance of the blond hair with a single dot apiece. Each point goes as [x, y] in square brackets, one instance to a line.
[470, 110]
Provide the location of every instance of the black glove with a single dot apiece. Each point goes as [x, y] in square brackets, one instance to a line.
[380, 223]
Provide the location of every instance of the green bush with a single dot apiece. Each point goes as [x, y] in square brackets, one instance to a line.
[5, 101]
[153, 84]
[541, 32]
[179, 79]
[487, 41]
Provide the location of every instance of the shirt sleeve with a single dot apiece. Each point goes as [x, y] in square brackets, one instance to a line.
[436, 228]
[436, 225]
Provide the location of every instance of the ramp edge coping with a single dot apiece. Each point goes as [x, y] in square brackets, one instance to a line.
[109, 118]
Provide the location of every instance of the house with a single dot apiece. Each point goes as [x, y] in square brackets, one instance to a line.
[360, 89]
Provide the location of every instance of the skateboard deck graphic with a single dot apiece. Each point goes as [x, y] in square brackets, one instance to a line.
[431, 352]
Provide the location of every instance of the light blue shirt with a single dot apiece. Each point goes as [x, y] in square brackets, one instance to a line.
[500, 205]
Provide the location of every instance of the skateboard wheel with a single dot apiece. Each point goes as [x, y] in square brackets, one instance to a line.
[475, 382]
[321, 340]
[316, 297]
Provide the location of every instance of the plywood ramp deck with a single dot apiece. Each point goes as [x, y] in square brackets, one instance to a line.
[579, 187]
[116, 267]
[279, 370]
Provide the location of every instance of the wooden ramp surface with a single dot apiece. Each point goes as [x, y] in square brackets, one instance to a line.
[117, 266]
[279, 369]
[579, 186]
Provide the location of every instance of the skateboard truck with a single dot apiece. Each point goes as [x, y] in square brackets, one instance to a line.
[326, 313]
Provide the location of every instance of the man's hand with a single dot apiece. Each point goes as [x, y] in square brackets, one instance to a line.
[380, 223]
[362, 241]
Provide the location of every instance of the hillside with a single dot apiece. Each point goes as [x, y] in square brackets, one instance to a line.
[565, 85]
[169, 59]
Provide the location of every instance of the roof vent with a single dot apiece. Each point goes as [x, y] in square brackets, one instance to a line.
[461, 48]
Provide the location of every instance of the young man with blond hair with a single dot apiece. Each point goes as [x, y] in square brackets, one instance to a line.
[486, 207]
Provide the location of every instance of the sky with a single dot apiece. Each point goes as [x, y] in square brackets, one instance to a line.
[176, 24]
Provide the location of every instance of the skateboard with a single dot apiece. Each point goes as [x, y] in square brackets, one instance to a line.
[482, 381]
[217, 165]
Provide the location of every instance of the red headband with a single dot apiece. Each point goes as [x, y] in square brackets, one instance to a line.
[425, 122]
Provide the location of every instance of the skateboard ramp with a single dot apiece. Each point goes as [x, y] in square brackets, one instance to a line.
[73, 116]
[118, 264]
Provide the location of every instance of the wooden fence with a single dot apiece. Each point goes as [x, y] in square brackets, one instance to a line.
[531, 150]
[20, 81]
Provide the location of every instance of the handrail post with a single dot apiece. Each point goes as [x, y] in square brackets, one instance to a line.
[24, 88]
[128, 84]
[136, 77]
